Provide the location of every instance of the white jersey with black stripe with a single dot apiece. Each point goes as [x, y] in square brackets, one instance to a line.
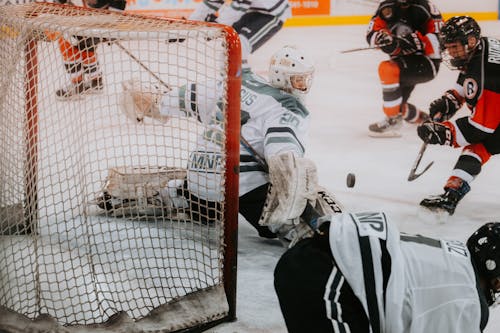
[272, 122]
[231, 12]
[407, 283]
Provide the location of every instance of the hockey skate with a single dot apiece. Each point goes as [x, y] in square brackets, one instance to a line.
[79, 89]
[387, 128]
[447, 201]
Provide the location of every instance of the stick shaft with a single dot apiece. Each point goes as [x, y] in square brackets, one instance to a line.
[361, 49]
[140, 63]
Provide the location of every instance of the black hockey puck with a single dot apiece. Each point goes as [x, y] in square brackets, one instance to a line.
[350, 180]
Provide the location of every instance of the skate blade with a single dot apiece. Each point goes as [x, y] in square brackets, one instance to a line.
[387, 134]
[432, 216]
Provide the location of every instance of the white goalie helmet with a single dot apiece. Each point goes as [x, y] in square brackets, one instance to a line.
[291, 70]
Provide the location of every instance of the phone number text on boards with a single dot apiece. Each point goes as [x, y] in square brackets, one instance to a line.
[305, 4]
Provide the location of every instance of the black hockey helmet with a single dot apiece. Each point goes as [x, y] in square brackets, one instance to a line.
[390, 10]
[484, 247]
[459, 29]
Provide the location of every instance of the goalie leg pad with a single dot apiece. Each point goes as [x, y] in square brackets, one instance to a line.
[142, 191]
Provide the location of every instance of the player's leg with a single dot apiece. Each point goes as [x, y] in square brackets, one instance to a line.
[81, 64]
[200, 210]
[398, 78]
[389, 74]
[313, 294]
[415, 69]
[251, 205]
[255, 29]
[468, 166]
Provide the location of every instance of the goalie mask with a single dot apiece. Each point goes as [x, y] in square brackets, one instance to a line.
[484, 246]
[459, 39]
[291, 70]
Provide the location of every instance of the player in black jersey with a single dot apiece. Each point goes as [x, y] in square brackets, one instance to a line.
[407, 31]
[478, 86]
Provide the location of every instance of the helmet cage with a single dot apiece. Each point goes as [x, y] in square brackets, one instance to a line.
[292, 71]
[459, 29]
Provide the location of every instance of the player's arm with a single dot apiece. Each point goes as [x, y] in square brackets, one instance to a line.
[465, 130]
[197, 100]
[428, 33]
[446, 106]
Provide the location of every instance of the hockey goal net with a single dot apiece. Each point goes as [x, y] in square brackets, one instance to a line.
[66, 261]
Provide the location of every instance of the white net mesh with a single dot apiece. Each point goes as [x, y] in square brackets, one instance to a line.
[62, 130]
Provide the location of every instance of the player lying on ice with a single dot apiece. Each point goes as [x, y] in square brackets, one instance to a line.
[359, 274]
[276, 180]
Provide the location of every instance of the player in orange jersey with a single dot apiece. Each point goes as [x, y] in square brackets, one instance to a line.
[407, 31]
[478, 85]
[79, 56]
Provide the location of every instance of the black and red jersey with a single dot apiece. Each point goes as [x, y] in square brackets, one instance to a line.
[479, 86]
[420, 16]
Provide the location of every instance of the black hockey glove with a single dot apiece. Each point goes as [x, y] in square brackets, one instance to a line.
[435, 133]
[211, 18]
[410, 44]
[445, 107]
[386, 42]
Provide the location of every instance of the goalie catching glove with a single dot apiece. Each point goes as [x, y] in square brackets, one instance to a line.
[138, 101]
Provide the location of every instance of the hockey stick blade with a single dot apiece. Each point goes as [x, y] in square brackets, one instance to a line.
[413, 172]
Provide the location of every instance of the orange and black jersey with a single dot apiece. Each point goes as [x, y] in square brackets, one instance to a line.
[479, 87]
[421, 17]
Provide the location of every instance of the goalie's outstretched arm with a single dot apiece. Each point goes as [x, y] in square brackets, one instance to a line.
[197, 100]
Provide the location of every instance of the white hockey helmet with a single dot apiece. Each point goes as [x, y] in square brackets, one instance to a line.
[291, 70]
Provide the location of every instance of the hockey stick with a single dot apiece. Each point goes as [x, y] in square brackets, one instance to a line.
[362, 49]
[413, 172]
[260, 159]
[377, 47]
[139, 62]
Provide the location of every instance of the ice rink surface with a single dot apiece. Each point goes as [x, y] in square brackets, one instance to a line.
[346, 97]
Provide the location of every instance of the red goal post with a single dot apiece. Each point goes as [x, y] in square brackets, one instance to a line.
[63, 256]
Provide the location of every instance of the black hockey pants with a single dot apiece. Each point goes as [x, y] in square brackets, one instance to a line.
[313, 294]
